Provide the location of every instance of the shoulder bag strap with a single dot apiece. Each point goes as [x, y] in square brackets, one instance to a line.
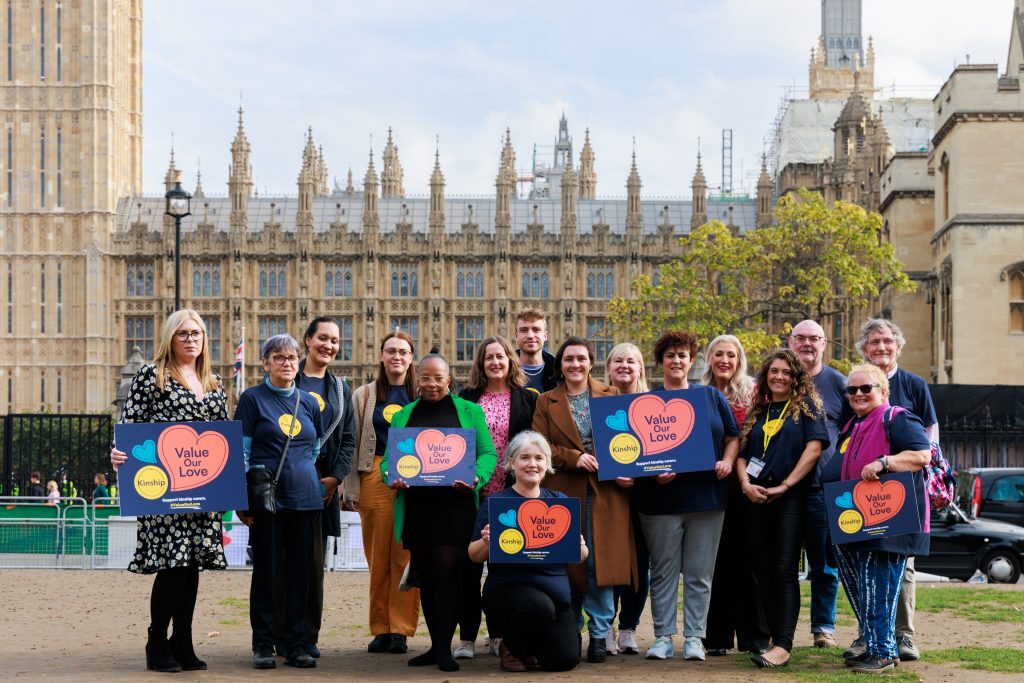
[291, 433]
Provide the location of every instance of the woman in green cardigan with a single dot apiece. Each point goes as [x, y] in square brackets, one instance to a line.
[435, 524]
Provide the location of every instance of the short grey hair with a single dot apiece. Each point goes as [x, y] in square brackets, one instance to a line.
[280, 342]
[523, 439]
[879, 325]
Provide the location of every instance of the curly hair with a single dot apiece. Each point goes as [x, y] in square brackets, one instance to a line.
[804, 398]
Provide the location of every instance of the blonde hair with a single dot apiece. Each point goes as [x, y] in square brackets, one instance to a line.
[875, 373]
[52, 486]
[740, 389]
[167, 365]
[640, 386]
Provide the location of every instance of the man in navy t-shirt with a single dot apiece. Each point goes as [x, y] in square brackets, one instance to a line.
[531, 334]
[881, 342]
[808, 342]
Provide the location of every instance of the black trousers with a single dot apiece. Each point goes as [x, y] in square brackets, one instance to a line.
[315, 603]
[469, 603]
[775, 537]
[532, 624]
[288, 536]
[735, 616]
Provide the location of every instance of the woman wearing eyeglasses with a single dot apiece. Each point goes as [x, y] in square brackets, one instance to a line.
[872, 571]
[781, 440]
[393, 613]
[280, 419]
[179, 386]
[436, 523]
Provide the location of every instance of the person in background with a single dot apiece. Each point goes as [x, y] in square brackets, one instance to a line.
[497, 383]
[735, 616]
[529, 603]
[179, 386]
[881, 343]
[872, 570]
[35, 487]
[682, 514]
[393, 613]
[538, 365]
[624, 370]
[783, 435]
[52, 493]
[808, 342]
[436, 523]
[100, 482]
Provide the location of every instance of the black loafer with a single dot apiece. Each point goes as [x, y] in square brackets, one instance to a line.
[263, 657]
[399, 644]
[597, 651]
[300, 659]
[313, 651]
[380, 643]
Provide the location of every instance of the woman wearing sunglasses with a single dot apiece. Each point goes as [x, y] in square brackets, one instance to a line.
[879, 440]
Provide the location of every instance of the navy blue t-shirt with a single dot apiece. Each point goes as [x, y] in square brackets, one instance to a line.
[553, 579]
[831, 386]
[786, 446]
[906, 433]
[383, 413]
[265, 415]
[534, 377]
[317, 386]
[909, 391]
[692, 491]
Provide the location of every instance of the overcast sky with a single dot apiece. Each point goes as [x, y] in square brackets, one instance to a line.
[666, 72]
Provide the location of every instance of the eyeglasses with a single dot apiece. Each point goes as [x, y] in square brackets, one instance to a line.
[186, 335]
[863, 388]
[285, 360]
[802, 338]
[423, 379]
[402, 353]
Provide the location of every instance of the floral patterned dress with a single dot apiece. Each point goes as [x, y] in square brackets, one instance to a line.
[193, 539]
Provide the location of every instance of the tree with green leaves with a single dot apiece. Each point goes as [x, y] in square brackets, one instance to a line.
[815, 261]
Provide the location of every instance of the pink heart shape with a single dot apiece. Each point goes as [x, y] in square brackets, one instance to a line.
[438, 452]
[660, 426]
[191, 460]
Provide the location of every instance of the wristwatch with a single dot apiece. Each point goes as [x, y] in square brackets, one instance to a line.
[884, 460]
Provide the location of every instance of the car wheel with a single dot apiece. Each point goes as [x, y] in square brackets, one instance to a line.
[1000, 566]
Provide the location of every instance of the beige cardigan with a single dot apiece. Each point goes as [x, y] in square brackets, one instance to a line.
[364, 400]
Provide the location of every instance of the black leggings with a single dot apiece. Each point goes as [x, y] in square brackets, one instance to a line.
[470, 605]
[531, 623]
[441, 571]
[174, 597]
[775, 534]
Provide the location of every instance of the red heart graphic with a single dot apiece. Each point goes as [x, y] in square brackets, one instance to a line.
[542, 525]
[878, 501]
[660, 426]
[438, 452]
[191, 460]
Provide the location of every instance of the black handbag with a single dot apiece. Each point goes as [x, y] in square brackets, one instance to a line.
[261, 486]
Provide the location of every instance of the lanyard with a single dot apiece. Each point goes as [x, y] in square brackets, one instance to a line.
[769, 433]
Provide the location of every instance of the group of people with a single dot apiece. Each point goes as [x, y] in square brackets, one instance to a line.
[52, 491]
[733, 533]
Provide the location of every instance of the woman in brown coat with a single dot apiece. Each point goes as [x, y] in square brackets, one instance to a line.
[563, 417]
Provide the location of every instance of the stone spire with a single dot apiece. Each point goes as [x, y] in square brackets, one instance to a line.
[173, 174]
[371, 215]
[199, 182]
[699, 186]
[321, 184]
[391, 170]
[436, 218]
[508, 156]
[307, 183]
[568, 221]
[764, 196]
[588, 179]
[503, 191]
[634, 217]
[239, 175]
[350, 189]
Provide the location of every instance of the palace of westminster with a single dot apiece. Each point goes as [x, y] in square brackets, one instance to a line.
[87, 261]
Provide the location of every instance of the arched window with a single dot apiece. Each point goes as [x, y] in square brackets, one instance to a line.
[263, 283]
[591, 286]
[526, 284]
[206, 283]
[196, 283]
[1016, 279]
[944, 168]
[544, 285]
[460, 285]
[394, 283]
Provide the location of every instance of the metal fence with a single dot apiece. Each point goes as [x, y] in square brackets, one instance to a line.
[71, 533]
[982, 443]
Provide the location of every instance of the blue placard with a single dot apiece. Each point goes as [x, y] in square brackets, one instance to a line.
[642, 435]
[434, 456]
[858, 510]
[177, 467]
[533, 530]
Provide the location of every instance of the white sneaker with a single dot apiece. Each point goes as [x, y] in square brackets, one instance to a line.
[661, 649]
[495, 645]
[693, 650]
[465, 650]
[609, 642]
[627, 642]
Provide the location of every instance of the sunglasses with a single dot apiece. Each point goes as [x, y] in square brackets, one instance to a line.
[863, 388]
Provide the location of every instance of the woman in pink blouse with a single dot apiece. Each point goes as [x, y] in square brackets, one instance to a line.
[496, 383]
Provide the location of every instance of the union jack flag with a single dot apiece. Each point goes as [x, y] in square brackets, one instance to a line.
[238, 374]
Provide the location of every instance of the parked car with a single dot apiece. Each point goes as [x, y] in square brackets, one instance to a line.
[961, 544]
[992, 492]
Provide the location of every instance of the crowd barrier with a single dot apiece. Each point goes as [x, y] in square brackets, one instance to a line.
[71, 533]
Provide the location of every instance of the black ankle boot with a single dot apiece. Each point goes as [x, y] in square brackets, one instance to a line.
[184, 652]
[158, 654]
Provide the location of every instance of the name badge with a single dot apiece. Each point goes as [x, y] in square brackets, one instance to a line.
[754, 467]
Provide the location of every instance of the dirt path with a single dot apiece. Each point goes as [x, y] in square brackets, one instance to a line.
[90, 625]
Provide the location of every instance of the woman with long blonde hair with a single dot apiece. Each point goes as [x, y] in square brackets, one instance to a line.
[179, 386]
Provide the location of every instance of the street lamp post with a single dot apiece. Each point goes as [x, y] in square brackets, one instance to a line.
[179, 205]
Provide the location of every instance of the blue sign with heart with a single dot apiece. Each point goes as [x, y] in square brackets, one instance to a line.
[542, 530]
[858, 510]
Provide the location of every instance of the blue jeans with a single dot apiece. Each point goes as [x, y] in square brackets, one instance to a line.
[872, 581]
[599, 601]
[823, 576]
